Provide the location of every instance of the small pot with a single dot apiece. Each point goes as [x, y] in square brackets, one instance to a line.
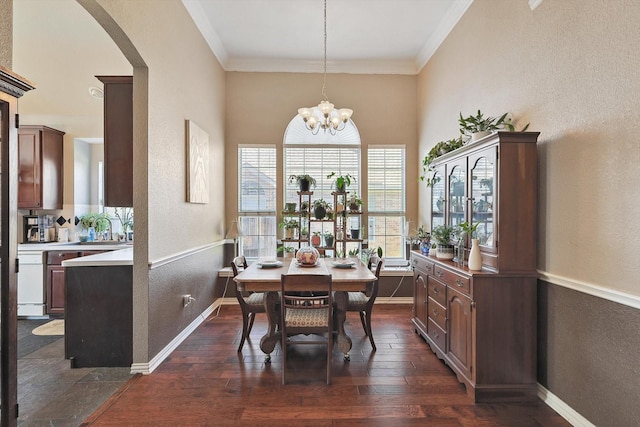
[304, 185]
[319, 213]
[355, 233]
[445, 251]
[290, 207]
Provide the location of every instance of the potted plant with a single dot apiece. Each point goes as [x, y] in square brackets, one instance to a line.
[304, 233]
[328, 239]
[304, 206]
[286, 251]
[353, 253]
[125, 216]
[373, 254]
[442, 147]
[304, 181]
[290, 207]
[289, 226]
[95, 224]
[320, 207]
[475, 259]
[355, 202]
[341, 182]
[443, 235]
[479, 126]
[316, 239]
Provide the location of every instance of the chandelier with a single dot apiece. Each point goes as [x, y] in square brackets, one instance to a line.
[324, 116]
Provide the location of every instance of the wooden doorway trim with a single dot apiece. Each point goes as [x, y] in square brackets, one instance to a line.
[12, 87]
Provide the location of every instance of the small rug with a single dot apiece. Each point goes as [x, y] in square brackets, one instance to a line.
[55, 327]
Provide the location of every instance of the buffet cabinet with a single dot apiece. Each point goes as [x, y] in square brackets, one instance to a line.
[482, 323]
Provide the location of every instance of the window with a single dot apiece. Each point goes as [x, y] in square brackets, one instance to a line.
[257, 200]
[386, 199]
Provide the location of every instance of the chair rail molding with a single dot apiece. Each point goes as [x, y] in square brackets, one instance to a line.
[591, 289]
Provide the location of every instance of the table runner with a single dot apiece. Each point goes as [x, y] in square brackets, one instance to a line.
[319, 268]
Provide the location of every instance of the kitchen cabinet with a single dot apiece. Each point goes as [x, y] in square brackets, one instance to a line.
[118, 140]
[40, 167]
[56, 277]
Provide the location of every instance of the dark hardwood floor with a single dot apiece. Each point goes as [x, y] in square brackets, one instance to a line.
[205, 382]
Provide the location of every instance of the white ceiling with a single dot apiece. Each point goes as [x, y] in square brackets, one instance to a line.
[363, 36]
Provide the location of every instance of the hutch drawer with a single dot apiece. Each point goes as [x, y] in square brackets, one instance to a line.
[437, 313]
[437, 335]
[437, 291]
[456, 281]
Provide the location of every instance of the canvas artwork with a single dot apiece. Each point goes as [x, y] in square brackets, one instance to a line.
[198, 164]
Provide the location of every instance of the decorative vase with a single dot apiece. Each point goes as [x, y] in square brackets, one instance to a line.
[444, 252]
[92, 234]
[475, 259]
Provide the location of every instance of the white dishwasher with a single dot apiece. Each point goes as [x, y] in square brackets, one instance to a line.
[31, 283]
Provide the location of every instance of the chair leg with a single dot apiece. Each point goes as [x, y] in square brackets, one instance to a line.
[252, 315]
[364, 323]
[329, 358]
[368, 332]
[245, 328]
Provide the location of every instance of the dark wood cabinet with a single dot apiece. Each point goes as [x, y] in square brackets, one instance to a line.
[118, 140]
[40, 167]
[55, 280]
[483, 323]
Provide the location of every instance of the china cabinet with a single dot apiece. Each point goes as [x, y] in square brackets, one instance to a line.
[482, 323]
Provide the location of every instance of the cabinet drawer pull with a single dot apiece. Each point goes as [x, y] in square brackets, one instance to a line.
[436, 335]
[435, 312]
[459, 282]
[436, 290]
[439, 273]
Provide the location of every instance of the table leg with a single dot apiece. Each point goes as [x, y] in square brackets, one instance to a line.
[268, 342]
[343, 341]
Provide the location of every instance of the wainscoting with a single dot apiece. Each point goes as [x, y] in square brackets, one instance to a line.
[588, 355]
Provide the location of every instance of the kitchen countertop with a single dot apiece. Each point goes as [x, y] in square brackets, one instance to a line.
[111, 258]
[73, 246]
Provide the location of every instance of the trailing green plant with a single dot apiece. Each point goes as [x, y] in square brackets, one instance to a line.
[355, 201]
[303, 177]
[442, 234]
[479, 123]
[321, 203]
[99, 221]
[342, 182]
[442, 147]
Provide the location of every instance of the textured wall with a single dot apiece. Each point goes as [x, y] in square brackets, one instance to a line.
[571, 69]
[6, 34]
[588, 354]
[384, 111]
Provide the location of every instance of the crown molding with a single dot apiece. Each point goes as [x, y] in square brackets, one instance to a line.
[442, 31]
[210, 35]
[301, 66]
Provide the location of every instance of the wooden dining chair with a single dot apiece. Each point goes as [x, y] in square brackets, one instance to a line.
[250, 303]
[362, 302]
[308, 314]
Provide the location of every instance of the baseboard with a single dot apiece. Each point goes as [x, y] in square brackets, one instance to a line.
[564, 410]
[149, 367]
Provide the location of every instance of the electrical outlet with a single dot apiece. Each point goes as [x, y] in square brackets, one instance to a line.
[187, 299]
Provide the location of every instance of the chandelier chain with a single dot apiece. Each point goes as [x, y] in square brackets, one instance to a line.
[324, 81]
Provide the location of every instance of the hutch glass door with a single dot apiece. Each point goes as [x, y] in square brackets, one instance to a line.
[482, 196]
[438, 197]
[457, 199]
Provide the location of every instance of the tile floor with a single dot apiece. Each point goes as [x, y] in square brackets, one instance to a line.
[50, 393]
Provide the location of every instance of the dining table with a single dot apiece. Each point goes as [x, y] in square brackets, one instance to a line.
[347, 275]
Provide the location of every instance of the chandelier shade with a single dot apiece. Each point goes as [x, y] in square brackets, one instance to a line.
[324, 116]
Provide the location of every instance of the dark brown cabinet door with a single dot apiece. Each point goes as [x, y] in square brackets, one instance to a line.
[40, 167]
[55, 290]
[420, 298]
[118, 140]
[460, 330]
